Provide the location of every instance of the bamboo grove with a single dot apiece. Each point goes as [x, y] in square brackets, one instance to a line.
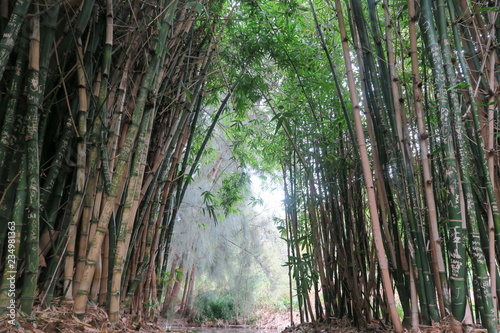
[100, 101]
[389, 112]
[380, 116]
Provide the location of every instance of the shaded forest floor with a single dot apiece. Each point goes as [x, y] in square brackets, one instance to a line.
[60, 319]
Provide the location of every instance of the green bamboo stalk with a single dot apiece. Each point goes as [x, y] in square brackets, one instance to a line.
[11, 32]
[58, 242]
[102, 106]
[383, 70]
[171, 168]
[49, 21]
[150, 232]
[481, 160]
[55, 168]
[6, 137]
[390, 151]
[148, 202]
[80, 177]
[158, 255]
[382, 149]
[184, 136]
[439, 268]
[32, 156]
[480, 271]
[287, 237]
[12, 254]
[428, 301]
[74, 32]
[10, 141]
[456, 220]
[49, 18]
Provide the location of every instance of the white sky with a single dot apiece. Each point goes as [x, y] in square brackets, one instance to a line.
[271, 194]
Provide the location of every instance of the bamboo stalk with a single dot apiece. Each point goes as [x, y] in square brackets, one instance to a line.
[368, 177]
[128, 214]
[81, 159]
[120, 172]
[484, 163]
[478, 259]
[457, 245]
[7, 139]
[437, 256]
[32, 157]
[387, 154]
[486, 307]
[98, 149]
[11, 32]
[14, 233]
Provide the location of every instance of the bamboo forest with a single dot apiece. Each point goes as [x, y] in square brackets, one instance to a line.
[332, 160]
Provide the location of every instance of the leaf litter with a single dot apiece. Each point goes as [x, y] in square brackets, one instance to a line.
[60, 319]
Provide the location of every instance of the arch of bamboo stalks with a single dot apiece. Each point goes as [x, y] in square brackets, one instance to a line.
[100, 101]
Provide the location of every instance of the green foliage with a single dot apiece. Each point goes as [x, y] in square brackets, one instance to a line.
[233, 188]
[256, 201]
[229, 195]
[282, 304]
[209, 306]
[209, 205]
[166, 279]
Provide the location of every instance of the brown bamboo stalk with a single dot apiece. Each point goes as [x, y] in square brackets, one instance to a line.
[129, 212]
[81, 158]
[436, 251]
[377, 164]
[96, 283]
[367, 175]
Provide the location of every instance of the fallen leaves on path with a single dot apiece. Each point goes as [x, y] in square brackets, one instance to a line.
[60, 319]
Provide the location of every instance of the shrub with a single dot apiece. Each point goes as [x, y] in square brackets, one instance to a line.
[211, 307]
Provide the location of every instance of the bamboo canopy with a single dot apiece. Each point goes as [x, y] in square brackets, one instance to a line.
[380, 117]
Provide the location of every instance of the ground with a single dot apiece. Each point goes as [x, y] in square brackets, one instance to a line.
[60, 319]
